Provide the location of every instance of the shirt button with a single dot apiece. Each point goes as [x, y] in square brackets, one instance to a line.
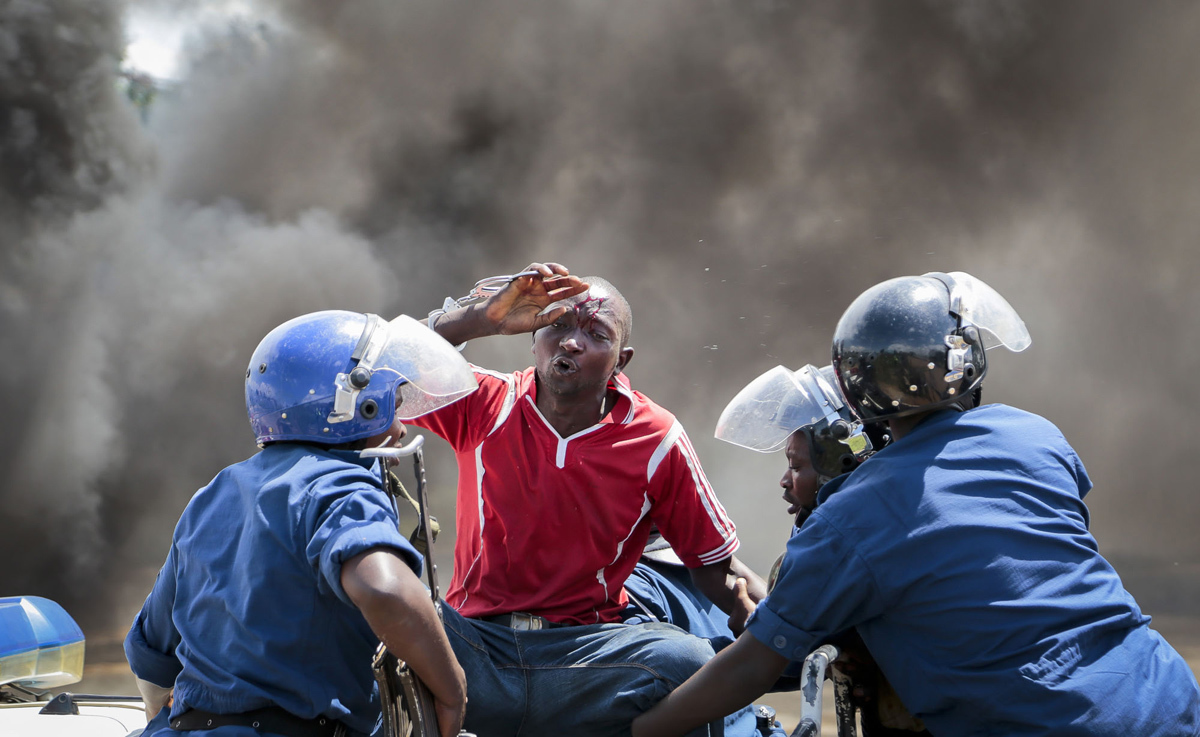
[780, 642]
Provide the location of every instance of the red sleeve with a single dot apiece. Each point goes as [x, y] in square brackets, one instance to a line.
[686, 508]
[465, 423]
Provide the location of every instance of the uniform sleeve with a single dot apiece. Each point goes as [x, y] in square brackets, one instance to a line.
[685, 507]
[151, 642]
[465, 423]
[824, 587]
[346, 515]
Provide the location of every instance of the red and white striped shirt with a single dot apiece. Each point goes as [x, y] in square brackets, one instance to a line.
[552, 525]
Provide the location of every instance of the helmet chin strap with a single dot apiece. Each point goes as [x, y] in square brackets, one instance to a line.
[972, 400]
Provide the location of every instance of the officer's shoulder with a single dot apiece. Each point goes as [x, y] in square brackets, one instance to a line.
[1008, 415]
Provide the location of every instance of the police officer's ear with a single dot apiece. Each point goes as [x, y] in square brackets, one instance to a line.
[623, 359]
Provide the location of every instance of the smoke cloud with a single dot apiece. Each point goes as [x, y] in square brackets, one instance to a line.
[740, 170]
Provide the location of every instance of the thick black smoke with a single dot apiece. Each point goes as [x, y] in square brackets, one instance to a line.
[741, 170]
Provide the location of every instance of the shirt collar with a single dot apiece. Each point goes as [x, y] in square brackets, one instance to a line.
[621, 414]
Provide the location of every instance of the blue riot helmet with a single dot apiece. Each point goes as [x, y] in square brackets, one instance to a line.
[915, 343]
[781, 401]
[333, 377]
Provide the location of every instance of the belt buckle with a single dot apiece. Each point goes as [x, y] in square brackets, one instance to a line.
[526, 621]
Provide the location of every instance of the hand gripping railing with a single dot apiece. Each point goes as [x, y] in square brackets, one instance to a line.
[408, 705]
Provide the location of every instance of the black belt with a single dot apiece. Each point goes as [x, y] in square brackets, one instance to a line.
[270, 719]
[522, 621]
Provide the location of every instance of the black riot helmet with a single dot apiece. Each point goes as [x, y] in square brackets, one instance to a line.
[916, 343]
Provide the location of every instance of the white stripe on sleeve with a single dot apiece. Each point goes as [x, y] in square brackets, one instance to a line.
[711, 503]
[715, 556]
[663, 448]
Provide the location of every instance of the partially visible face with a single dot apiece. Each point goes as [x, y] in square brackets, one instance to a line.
[580, 350]
[800, 481]
[396, 431]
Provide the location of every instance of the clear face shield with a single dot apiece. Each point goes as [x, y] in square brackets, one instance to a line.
[977, 305]
[782, 401]
[434, 373]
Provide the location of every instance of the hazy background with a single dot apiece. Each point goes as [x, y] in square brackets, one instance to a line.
[740, 169]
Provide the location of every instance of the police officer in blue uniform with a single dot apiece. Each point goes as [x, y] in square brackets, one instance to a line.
[960, 552]
[287, 570]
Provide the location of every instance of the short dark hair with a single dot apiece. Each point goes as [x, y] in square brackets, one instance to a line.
[624, 312]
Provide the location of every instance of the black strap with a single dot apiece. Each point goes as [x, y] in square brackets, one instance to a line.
[270, 719]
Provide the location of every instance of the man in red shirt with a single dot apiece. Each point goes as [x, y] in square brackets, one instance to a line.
[563, 468]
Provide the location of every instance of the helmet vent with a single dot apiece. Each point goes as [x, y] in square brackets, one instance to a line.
[262, 368]
[369, 409]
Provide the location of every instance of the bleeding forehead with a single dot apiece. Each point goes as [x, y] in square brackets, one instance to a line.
[594, 305]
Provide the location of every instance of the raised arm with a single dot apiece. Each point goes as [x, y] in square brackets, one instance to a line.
[517, 308]
[401, 614]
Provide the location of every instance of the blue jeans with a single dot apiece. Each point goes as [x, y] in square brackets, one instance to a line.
[570, 681]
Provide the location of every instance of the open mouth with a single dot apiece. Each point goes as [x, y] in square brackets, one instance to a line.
[564, 365]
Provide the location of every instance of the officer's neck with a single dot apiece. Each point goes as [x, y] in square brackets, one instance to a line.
[901, 426]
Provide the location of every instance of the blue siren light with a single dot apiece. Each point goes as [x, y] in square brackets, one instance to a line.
[40, 645]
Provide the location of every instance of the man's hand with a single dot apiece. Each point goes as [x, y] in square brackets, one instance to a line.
[717, 581]
[449, 717]
[156, 698]
[743, 607]
[401, 614]
[517, 308]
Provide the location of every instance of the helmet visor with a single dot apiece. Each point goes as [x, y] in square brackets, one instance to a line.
[980, 305]
[775, 405]
[435, 374]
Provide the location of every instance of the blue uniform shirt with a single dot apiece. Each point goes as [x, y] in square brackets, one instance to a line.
[248, 611]
[962, 555]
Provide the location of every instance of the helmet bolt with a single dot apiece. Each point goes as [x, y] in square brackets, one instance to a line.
[952, 390]
[360, 377]
[912, 387]
[895, 402]
[262, 368]
[840, 429]
[930, 366]
[970, 334]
